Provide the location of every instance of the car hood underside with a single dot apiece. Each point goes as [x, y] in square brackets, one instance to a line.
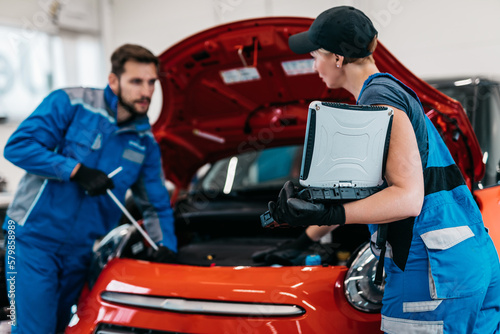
[238, 87]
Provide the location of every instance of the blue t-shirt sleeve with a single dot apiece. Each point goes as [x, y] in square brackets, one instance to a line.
[381, 94]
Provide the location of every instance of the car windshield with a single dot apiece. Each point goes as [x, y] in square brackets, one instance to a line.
[255, 170]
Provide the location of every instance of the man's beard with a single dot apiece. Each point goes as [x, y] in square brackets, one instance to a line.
[130, 106]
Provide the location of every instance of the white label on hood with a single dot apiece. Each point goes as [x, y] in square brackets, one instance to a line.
[298, 67]
[242, 74]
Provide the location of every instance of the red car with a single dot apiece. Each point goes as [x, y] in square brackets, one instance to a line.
[231, 130]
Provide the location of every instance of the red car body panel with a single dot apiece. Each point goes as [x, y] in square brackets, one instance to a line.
[203, 119]
[488, 200]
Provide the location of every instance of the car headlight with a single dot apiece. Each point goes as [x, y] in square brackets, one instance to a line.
[360, 289]
[108, 248]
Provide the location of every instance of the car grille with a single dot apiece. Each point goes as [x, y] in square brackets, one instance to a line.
[114, 329]
[189, 306]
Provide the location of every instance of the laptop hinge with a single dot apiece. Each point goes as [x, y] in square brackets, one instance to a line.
[342, 194]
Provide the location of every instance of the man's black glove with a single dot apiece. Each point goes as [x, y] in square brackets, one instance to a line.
[162, 255]
[94, 181]
[289, 210]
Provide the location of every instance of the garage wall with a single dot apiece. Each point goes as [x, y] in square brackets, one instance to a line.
[441, 38]
[432, 38]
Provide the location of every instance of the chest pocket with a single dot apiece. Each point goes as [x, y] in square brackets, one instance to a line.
[81, 141]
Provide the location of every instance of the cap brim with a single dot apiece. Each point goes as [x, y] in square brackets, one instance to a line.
[301, 44]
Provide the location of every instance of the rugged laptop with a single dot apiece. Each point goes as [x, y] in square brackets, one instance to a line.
[344, 153]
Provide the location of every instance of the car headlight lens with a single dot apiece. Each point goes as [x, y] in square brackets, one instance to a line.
[360, 289]
[108, 248]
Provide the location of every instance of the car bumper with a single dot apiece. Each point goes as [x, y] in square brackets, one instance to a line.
[314, 291]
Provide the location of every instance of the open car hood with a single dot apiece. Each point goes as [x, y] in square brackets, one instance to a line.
[238, 87]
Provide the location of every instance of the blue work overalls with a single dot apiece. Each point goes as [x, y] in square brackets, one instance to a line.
[443, 271]
[54, 221]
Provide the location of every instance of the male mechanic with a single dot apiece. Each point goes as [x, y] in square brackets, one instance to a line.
[68, 146]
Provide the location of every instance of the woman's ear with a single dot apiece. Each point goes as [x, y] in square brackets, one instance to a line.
[339, 60]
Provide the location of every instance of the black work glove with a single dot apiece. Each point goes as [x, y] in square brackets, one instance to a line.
[162, 255]
[289, 210]
[94, 181]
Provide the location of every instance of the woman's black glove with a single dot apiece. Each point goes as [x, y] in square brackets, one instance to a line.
[94, 181]
[289, 210]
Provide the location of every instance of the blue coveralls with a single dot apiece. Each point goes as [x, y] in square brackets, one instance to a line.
[54, 222]
[443, 271]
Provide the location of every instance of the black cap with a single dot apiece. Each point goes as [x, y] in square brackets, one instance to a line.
[343, 30]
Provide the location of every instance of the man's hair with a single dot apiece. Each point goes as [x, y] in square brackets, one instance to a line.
[132, 52]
